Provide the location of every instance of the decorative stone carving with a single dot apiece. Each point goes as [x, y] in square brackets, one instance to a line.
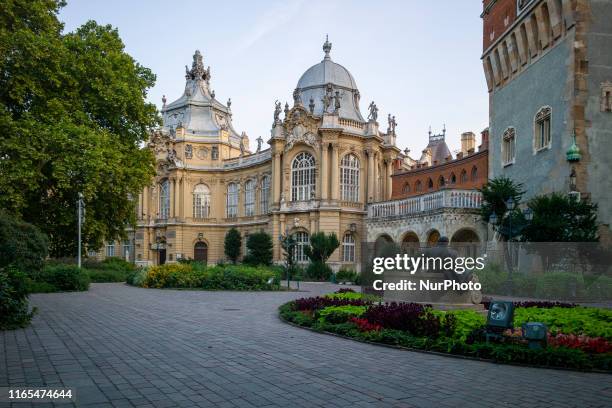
[188, 151]
[300, 135]
[202, 153]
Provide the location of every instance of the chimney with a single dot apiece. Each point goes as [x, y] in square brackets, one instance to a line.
[485, 139]
[468, 142]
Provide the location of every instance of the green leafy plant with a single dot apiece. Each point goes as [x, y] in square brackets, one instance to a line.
[65, 277]
[22, 245]
[14, 307]
[340, 314]
[259, 249]
[321, 247]
[233, 242]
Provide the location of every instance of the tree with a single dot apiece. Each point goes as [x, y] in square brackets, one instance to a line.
[22, 246]
[288, 244]
[320, 249]
[233, 241]
[495, 195]
[73, 118]
[259, 247]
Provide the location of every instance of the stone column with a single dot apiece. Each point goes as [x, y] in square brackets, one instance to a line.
[324, 172]
[370, 193]
[389, 179]
[276, 179]
[172, 197]
[335, 181]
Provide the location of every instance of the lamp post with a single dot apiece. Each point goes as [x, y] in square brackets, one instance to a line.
[80, 213]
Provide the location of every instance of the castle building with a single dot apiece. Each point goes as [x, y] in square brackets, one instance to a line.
[327, 168]
[548, 68]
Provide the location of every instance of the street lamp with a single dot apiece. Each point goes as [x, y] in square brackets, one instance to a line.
[528, 213]
[493, 219]
[80, 214]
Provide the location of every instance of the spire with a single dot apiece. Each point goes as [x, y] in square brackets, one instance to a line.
[327, 47]
[197, 71]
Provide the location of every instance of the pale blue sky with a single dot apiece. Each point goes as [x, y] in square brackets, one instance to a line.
[419, 60]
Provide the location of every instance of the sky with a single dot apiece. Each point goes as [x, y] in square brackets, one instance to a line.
[418, 60]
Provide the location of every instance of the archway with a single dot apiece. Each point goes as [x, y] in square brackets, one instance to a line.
[433, 237]
[382, 245]
[466, 242]
[200, 252]
[410, 243]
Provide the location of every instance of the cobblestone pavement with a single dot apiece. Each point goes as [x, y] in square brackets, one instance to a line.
[124, 346]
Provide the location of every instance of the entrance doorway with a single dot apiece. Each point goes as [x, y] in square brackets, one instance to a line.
[200, 252]
[162, 256]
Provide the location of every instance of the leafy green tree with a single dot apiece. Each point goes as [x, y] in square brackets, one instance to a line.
[233, 241]
[73, 118]
[495, 194]
[22, 245]
[288, 244]
[321, 247]
[259, 247]
[560, 218]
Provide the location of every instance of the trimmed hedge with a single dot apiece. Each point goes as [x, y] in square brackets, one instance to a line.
[14, 308]
[60, 278]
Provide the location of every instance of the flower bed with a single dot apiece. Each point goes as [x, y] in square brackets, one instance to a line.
[198, 276]
[579, 337]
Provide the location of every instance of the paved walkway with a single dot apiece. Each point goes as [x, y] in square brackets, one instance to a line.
[124, 346]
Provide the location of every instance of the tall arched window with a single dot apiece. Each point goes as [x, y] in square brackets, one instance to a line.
[464, 177]
[302, 177]
[430, 184]
[474, 173]
[441, 181]
[349, 178]
[542, 137]
[201, 201]
[301, 241]
[264, 199]
[453, 178]
[232, 200]
[418, 186]
[249, 198]
[348, 248]
[164, 199]
[508, 146]
[406, 188]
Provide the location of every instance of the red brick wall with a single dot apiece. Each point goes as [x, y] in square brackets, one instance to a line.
[479, 160]
[497, 19]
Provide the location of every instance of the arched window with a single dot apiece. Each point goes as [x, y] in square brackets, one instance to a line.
[302, 177]
[464, 177]
[418, 186]
[508, 146]
[430, 184]
[406, 188]
[474, 173]
[249, 198]
[441, 181]
[264, 199]
[348, 248]
[201, 201]
[232, 200]
[542, 137]
[200, 252]
[453, 178]
[301, 241]
[164, 199]
[349, 178]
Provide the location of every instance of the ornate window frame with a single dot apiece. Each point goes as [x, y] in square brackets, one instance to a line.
[542, 129]
[348, 248]
[201, 201]
[249, 198]
[349, 178]
[302, 239]
[164, 199]
[303, 177]
[508, 147]
[232, 200]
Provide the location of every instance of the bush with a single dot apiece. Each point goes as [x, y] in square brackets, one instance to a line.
[559, 285]
[589, 321]
[414, 318]
[14, 307]
[22, 245]
[232, 244]
[319, 271]
[199, 276]
[106, 275]
[65, 277]
[347, 275]
[340, 314]
[259, 251]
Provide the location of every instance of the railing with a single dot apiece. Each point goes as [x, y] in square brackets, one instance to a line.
[451, 198]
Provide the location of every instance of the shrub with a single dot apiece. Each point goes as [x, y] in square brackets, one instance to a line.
[259, 251]
[492, 279]
[559, 285]
[106, 275]
[318, 271]
[584, 343]
[319, 302]
[589, 321]
[232, 244]
[65, 277]
[21, 245]
[340, 314]
[14, 307]
[347, 275]
[544, 304]
[598, 287]
[414, 318]
[320, 249]
[364, 325]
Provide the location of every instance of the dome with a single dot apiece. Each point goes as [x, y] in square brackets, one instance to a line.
[313, 84]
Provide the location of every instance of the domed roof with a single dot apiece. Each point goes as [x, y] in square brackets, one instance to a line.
[313, 83]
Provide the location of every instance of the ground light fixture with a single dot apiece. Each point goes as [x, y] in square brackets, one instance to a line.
[499, 318]
[535, 334]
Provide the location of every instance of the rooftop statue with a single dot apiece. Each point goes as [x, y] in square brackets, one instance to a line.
[373, 116]
[277, 111]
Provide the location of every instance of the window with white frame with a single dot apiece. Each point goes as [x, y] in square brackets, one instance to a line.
[127, 249]
[110, 249]
[301, 242]
[201, 201]
[249, 198]
[264, 203]
[349, 178]
[542, 129]
[508, 146]
[302, 177]
[232, 200]
[164, 199]
[348, 248]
